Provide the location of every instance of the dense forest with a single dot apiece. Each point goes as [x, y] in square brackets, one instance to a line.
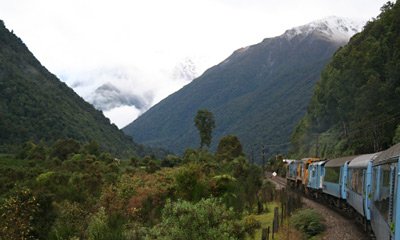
[70, 190]
[35, 105]
[355, 106]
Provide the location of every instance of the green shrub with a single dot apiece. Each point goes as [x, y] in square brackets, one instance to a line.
[308, 221]
[250, 224]
[99, 227]
[207, 219]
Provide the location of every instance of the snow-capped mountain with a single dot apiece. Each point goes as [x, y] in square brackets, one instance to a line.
[258, 93]
[332, 28]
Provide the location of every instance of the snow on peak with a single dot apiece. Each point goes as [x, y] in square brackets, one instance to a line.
[335, 28]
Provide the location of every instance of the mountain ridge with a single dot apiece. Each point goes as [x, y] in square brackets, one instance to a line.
[272, 73]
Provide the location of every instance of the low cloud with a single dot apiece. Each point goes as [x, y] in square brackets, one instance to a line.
[114, 89]
[107, 97]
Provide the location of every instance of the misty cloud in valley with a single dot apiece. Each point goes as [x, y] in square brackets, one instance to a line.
[124, 92]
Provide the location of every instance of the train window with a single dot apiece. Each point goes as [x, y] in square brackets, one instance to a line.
[313, 172]
[382, 188]
[292, 170]
[332, 174]
[355, 180]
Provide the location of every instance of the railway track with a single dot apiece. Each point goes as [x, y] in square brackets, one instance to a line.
[278, 181]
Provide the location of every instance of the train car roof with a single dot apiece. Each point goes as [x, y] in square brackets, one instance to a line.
[388, 155]
[289, 161]
[362, 160]
[338, 162]
[318, 163]
[313, 159]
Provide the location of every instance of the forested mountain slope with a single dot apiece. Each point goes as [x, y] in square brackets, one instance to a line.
[35, 105]
[356, 105]
[258, 93]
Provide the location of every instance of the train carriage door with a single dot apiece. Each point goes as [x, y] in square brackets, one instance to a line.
[343, 182]
[368, 190]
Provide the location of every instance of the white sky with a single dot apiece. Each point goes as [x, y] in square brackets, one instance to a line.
[87, 43]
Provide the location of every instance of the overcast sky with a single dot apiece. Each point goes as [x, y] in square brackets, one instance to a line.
[147, 49]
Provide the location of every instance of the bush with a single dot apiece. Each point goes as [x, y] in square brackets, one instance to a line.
[99, 227]
[18, 214]
[308, 221]
[229, 148]
[191, 184]
[207, 219]
[250, 224]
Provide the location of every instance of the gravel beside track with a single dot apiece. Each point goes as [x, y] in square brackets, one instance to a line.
[337, 226]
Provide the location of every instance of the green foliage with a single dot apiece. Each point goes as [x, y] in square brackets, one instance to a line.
[267, 191]
[65, 147]
[354, 108]
[18, 214]
[92, 148]
[71, 221]
[308, 221]
[32, 151]
[171, 161]
[207, 219]
[229, 148]
[276, 164]
[396, 138]
[205, 123]
[45, 178]
[99, 228]
[191, 183]
[251, 224]
[92, 196]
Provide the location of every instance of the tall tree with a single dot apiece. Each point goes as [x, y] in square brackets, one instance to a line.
[204, 121]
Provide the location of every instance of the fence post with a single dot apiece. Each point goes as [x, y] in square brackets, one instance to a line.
[272, 230]
[264, 234]
[276, 219]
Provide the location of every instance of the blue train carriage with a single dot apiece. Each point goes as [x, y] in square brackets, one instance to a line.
[359, 180]
[316, 171]
[302, 178]
[334, 183]
[291, 171]
[385, 213]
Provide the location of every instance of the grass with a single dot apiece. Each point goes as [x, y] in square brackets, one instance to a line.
[265, 219]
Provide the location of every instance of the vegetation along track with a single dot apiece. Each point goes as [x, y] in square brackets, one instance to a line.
[337, 225]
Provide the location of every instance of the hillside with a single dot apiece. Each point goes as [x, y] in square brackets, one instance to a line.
[355, 106]
[258, 93]
[35, 105]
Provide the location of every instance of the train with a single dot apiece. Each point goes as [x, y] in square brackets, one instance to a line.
[365, 186]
